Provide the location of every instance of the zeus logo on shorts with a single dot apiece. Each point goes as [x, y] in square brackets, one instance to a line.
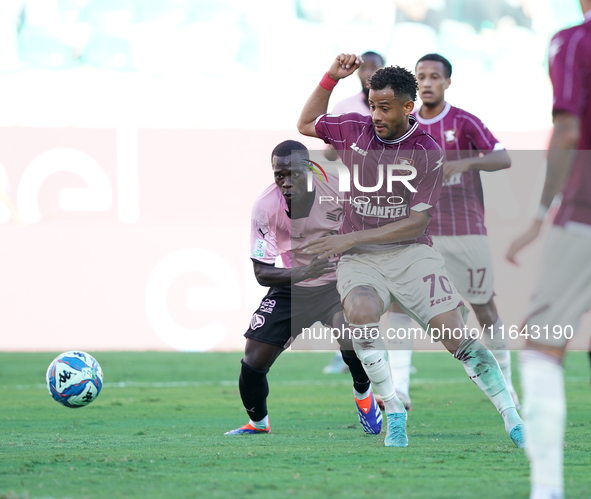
[267, 306]
[257, 321]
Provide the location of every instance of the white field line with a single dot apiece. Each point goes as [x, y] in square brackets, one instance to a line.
[297, 382]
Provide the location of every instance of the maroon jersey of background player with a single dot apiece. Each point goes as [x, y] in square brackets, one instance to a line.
[460, 210]
[353, 136]
[572, 86]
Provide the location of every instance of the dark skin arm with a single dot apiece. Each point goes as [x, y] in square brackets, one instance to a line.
[271, 276]
[402, 230]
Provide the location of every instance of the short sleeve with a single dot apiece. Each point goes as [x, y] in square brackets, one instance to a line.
[263, 236]
[480, 136]
[334, 129]
[428, 186]
[569, 78]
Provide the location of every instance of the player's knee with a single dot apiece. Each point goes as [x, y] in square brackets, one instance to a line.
[363, 311]
[363, 305]
[260, 356]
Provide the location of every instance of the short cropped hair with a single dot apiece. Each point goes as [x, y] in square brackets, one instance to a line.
[400, 80]
[437, 58]
[370, 53]
[286, 147]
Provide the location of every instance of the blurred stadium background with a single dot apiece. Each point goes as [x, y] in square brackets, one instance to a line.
[135, 136]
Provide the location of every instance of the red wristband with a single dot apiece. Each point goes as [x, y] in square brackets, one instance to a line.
[327, 82]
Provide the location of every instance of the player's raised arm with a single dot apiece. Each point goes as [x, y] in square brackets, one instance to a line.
[317, 104]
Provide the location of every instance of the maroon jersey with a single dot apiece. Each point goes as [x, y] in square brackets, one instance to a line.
[570, 71]
[460, 210]
[375, 198]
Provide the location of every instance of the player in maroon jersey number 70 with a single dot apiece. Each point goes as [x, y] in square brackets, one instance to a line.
[395, 170]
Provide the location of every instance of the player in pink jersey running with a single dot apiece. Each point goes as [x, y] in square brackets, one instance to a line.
[284, 218]
[457, 226]
[562, 292]
[394, 179]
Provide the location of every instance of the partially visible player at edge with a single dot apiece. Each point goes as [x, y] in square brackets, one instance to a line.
[301, 293]
[457, 227]
[562, 292]
[387, 254]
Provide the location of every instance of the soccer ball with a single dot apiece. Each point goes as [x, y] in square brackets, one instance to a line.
[74, 379]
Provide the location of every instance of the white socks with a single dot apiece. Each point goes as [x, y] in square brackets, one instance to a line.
[372, 353]
[262, 424]
[483, 369]
[497, 344]
[399, 347]
[544, 410]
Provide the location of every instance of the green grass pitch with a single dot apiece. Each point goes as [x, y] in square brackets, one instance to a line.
[156, 431]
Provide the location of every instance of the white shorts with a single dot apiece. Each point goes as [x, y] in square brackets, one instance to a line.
[562, 293]
[413, 276]
[468, 261]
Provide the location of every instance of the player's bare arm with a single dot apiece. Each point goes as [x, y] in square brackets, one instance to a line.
[492, 162]
[317, 104]
[560, 160]
[271, 276]
[402, 230]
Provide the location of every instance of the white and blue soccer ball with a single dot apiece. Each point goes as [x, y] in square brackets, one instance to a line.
[74, 379]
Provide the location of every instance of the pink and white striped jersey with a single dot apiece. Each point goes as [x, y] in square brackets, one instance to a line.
[460, 210]
[273, 233]
[367, 158]
[570, 71]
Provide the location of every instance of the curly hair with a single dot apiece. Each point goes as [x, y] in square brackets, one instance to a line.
[400, 80]
[437, 58]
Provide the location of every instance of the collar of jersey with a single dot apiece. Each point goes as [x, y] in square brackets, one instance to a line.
[414, 126]
[437, 118]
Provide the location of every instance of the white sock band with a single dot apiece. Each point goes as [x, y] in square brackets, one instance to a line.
[544, 411]
[374, 357]
[497, 344]
[399, 343]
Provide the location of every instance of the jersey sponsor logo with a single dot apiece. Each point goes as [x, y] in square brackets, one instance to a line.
[357, 149]
[450, 135]
[257, 321]
[455, 179]
[383, 211]
[260, 247]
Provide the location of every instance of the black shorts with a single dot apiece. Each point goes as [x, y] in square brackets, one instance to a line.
[284, 312]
